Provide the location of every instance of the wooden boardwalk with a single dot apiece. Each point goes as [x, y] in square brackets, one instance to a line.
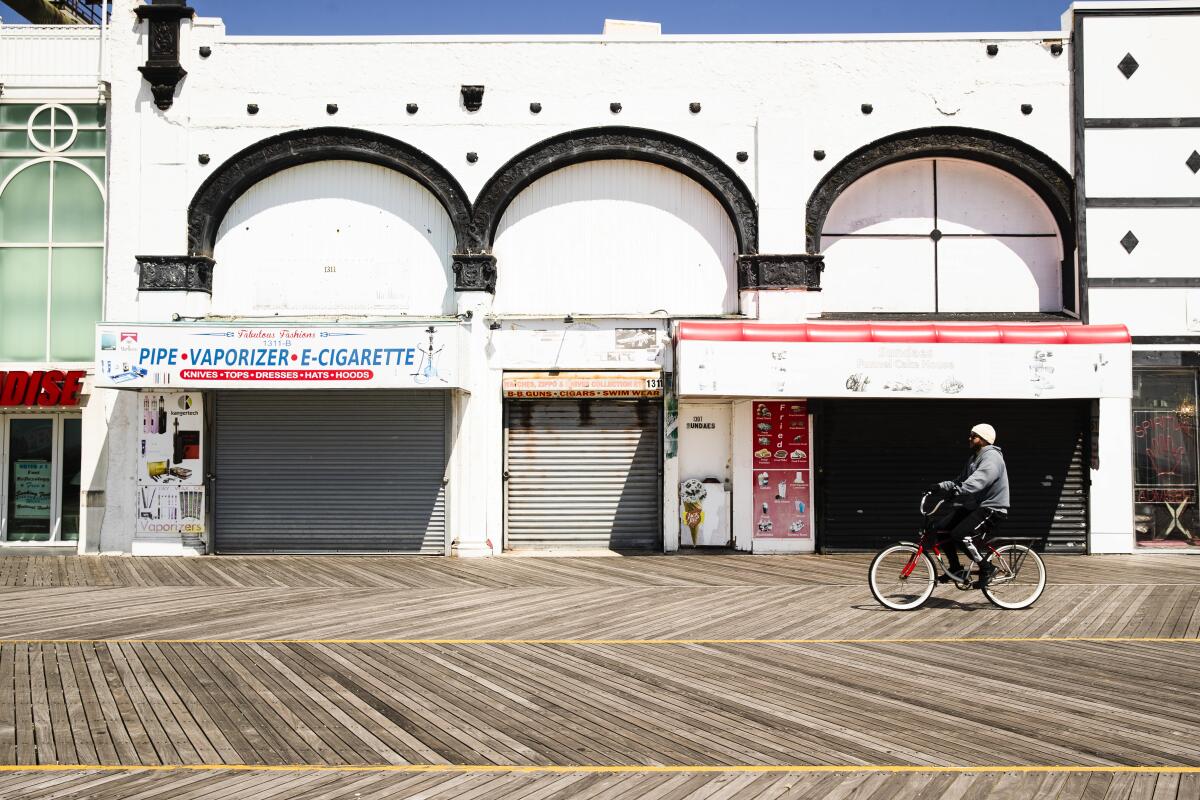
[654, 677]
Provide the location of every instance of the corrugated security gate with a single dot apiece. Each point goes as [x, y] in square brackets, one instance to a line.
[331, 471]
[876, 457]
[583, 473]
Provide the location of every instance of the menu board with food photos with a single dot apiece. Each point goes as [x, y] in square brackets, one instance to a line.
[782, 478]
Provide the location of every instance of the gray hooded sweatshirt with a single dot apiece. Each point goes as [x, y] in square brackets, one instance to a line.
[983, 482]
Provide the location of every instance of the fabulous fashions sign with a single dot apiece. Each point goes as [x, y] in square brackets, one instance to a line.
[279, 356]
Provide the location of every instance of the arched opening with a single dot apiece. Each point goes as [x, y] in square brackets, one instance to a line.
[265, 158]
[51, 259]
[334, 237]
[938, 236]
[616, 237]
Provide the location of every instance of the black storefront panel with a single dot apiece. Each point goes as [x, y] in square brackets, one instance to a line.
[330, 471]
[877, 456]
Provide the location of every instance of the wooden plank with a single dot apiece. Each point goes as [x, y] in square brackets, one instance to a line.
[8, 705]
[160, 731]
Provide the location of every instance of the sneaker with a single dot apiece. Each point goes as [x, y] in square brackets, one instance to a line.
[986, 570]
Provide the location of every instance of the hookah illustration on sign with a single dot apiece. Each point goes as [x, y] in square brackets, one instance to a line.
[427, 370]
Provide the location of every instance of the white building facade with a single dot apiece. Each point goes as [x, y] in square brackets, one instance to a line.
[53, 120]
[633, 291]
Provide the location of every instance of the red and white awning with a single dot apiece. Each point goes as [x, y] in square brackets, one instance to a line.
[903, 360]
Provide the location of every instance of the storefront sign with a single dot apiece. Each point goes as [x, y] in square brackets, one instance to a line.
[782, 476]
[593, 345]
[50, 388]
[852, 369]
[580, 386]
[31, 484]
[170, 476]
[279, 356]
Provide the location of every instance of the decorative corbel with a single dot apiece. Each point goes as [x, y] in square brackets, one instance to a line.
[162, 69]
[802, 271]
[472, 96]
[175, 273]
[474, 272]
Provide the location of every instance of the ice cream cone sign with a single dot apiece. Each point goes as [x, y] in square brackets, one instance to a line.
[692, 494]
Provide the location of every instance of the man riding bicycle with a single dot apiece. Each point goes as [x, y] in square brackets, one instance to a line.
[980, 496]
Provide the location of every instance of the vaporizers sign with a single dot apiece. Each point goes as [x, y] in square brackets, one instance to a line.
[279, 356]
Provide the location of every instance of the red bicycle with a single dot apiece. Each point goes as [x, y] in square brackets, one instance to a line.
[903, 576]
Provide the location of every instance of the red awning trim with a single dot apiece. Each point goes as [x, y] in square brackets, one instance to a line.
[908, 334]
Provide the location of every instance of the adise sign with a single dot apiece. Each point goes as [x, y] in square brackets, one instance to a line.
[49, 388]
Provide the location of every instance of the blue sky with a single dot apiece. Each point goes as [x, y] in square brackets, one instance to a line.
[335, 17]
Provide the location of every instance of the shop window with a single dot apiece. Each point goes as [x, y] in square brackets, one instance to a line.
[1165, 456]
[941, 236]
[615, 237]
[41, 477]
[51, 230]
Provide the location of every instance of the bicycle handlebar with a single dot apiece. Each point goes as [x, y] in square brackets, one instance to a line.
[933, 510]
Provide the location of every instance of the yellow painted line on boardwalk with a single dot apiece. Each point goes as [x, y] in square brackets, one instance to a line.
[595, 768]
[649, 642]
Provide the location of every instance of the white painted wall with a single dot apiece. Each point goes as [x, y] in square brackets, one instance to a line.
[1138, 164]
[1163, 46]
[334, 237]
[39, 61]
[1142, 162]
[1111, 498]
[616, 237]
[1168, 242]
[1148, 311]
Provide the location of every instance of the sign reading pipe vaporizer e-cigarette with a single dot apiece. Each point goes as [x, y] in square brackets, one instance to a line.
[170, 490]
[782, 477]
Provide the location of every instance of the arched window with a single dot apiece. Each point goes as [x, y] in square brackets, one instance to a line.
[941, 235]
[615, 237]
[51, 231]
[335, 237]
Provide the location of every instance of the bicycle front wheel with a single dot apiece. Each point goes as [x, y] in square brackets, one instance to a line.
[1019, 578]
[901, 577]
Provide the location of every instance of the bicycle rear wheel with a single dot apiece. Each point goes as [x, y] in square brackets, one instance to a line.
[901, 577]
[1019, 579]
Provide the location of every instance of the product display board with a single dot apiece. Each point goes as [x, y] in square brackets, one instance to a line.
[782, 478]
[31, 484]
[277, 357]
[170, 463]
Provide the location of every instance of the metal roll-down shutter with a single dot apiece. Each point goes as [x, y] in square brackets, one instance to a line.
[330, 471]
[877, 456]
[583, 473]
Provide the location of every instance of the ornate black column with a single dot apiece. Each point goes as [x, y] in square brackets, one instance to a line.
[474, 272]
[175, 273]
[802, 271]
[162, 70]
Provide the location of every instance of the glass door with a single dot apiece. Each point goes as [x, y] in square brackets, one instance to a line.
[40, 471]
[1165, 458]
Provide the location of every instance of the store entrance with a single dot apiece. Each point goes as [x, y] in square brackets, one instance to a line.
[583, 474]
[331, 471]
[41, 476]
[877, 456]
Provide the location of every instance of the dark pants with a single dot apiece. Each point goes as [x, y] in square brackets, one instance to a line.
[962, 525]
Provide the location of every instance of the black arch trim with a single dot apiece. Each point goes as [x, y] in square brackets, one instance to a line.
[597, 144]
[264, 158]
[1032, 167]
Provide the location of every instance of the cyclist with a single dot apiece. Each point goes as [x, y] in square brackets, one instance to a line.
[980, 496]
